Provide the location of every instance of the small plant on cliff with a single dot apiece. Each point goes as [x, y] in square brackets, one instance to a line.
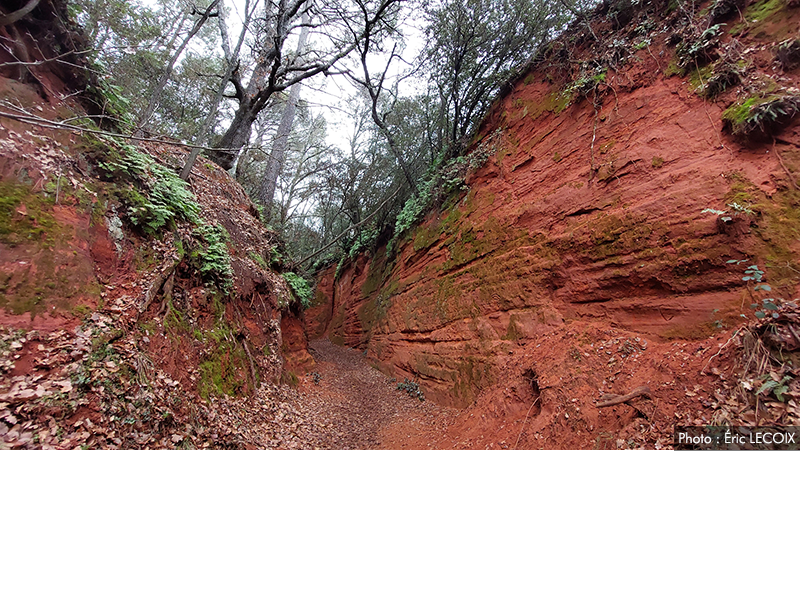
[412, 389]
[757, 117]
[154, 195]
[738, 209]
[753, 274]
[364, 240]
[301, 289]
[211, 256]
[776, 385]
[723, 216]
[699, 50]
[415, 207]
[340, 266]
[586, 85]
[724, 75]
[443, 181]
[787, 53]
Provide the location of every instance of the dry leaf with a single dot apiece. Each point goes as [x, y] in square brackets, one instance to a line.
[65, 385]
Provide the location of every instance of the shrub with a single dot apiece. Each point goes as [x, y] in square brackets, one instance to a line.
[698, 51]
[412, 389]
[302, 291]
[724, 76]
[415, 207]
[443, 180]
[758, 117]
[586, 85]
[364, 240]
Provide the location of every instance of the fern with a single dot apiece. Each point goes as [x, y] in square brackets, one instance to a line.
[212, 258]
[166, 196]
[301, 290]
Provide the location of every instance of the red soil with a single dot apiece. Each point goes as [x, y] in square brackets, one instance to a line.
[584, 232]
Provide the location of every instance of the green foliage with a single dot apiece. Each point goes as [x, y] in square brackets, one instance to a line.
[154, 195]
[699, 50]
[586, 85]
[776, 385]
[275, 258]
[223, 370]
[412, 389]
[340, 266]
[757, 116]
[416, 206]
[324, 261]
[753, 273]
[413, 210]
[741, 208]
[737, 207]
[767, 306]
[116, 106]
[364, 240]
[722, 76]
[211, 257]
[442, 180]
[301, 289]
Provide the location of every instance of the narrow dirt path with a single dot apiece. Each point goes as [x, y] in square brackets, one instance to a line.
[355, 406]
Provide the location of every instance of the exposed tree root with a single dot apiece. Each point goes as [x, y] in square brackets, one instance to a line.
[166, 271]
[614, 399]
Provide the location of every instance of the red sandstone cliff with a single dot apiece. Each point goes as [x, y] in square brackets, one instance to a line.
[590, 213]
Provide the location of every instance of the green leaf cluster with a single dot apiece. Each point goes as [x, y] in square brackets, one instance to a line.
[699, 51]
[365, 240]
[211, 257]
[757, 116]
[442, 179]
[301, 289]
[776, 386]
[166, 196]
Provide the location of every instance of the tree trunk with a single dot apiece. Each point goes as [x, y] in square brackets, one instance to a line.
[266, 191]
[237, 135]
[231, 60]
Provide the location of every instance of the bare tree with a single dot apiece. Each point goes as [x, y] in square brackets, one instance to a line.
[231, 61]
[275, 70]
[204, 15]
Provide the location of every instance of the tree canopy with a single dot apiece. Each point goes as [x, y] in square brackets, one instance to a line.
[416, 78]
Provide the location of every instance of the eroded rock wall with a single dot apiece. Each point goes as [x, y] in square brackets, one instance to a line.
[590, 210]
